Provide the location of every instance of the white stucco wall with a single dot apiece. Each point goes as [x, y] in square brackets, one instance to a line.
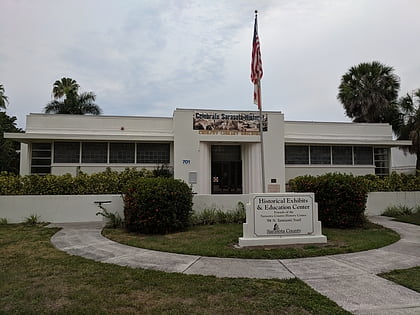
[221, 202]
[57, 208]
[379, 201]
[81, 208]
[192, 149]
[403, 162]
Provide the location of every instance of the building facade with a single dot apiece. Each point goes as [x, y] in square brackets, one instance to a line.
[217, 152]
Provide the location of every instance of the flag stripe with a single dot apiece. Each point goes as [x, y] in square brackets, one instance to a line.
[256, 66]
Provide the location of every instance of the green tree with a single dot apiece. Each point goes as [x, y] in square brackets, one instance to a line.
[369, 93]
[3, 97]
[410, 129]
[9, 158]
[67, 100]
[78, 104]
[64, 87]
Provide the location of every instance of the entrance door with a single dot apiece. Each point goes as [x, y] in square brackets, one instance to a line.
[226, 169]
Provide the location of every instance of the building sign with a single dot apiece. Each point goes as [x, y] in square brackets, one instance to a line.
[283, 215]
[228, 123]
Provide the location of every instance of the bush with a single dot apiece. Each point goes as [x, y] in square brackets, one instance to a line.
[107, 182]
[33, 219]
[395, 211]
[157, 205]
[217, 216]
[393, 182]
[341, 198]
[113, 220]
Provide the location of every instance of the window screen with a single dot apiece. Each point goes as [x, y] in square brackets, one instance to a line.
[66, 152]
[297, 154]
[41, 158]
[363, 156]
[94, 152]
[320, 155]
[342, 155]
[153, 153]
[121, 152]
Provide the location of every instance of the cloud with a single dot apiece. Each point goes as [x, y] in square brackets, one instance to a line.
[149, 57]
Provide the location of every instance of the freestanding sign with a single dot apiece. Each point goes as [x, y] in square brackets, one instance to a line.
[279, 219]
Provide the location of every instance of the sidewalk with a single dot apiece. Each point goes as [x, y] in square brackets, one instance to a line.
[348, 279]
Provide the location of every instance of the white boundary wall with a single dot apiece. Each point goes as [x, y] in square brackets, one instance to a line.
[81, 208]
[378, 201]
[57, 208]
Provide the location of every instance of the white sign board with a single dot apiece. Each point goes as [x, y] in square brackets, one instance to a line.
[283, 215]
[280, 219]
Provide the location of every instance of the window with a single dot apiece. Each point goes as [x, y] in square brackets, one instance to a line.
[66, 152]
[226, 153]
[121, 152]
[153, 153]
[342, 155]
[381, 161]
[363, 156]
[41, 158]
[297, 154]
[320, 155]
[94, 152]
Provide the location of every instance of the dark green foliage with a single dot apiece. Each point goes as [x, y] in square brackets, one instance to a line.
[157, 205]
[163, 171]
[114, 220]
[341, 198]
[393, 182]
[73, 102]
[369, 93]
[107, 182]
[9, 158]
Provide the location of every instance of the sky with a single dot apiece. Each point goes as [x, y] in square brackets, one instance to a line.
[147, 58]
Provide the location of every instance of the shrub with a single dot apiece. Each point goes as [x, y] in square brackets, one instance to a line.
[107, 182]
[393, 182]
[216, 216]
[33, 219]
[341, 198]
[157, 205]
[3, 221]
[114, 220]
[395, 211]
[163, 171]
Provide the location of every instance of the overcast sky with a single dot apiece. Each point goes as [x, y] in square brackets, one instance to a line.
[146, 58]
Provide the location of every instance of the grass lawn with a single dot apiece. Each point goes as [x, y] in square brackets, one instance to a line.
[413, 218]
[37, 278]
[409, 278]
[218, 240]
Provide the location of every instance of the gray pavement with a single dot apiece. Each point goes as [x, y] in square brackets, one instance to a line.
[349, 279]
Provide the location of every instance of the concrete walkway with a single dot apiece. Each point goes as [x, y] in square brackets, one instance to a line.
[348, 279]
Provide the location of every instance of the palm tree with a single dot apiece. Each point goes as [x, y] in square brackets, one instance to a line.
[410, 129]
[64, 87]
[76, 104]
[369, 93]
[73, 102]
[3, 98]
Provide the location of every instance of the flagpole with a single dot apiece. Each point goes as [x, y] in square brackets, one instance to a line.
[256, 75]
[261, 137]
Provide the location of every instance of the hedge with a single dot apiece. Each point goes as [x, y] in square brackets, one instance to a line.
[341, 198]
[393, 182]
[107, 182]
[157, 205]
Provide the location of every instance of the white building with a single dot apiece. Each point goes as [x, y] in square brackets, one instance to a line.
[218, 152]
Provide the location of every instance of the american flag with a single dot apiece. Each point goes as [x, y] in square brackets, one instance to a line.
[256, 65]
